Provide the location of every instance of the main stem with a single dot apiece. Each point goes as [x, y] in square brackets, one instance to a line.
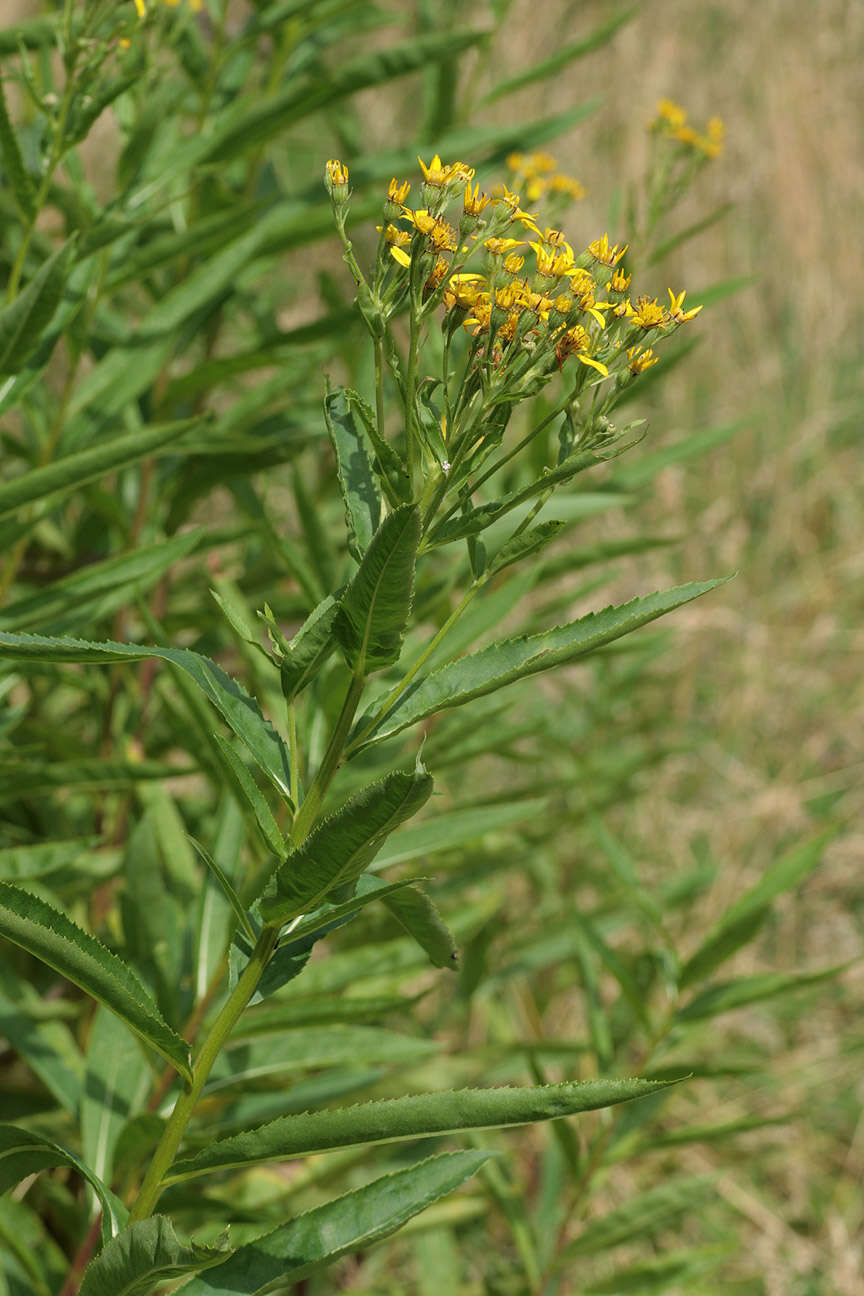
[151, 1186]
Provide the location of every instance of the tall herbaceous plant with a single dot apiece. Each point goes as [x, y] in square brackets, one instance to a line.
[217, 927]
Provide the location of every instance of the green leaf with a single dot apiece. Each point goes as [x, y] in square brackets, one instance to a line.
[13, 162]
[341, 847]
[251, 795]
[515, 659]
[520, 546]
[266, 119]
[116, 1084]
[374, 610]
[47, 1047]
[76, 470]
[341, 1227]
[413, 910]
[662, 250]
[314, 1047]
[235, 706]
[23, 1153]
[641, 1215]
[563, 56]
[368, 889]
[98, 589]
[752, 989]
[414, 1116]
[146, 1253]
[227, 890]
[745, 917]
[304, 655]
[23, 322]
[50, 936]
[357, 481]
[456, 828]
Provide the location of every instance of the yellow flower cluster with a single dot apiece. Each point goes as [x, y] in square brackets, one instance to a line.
[566, 305]
[536, 174]
[530, 304]
[671, 121]
[141, 6]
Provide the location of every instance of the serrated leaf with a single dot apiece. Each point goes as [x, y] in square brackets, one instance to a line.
[752, 989]
[23, 1152]
[23, 322]
[414, 1116]
[76, 470]
[305, 654]
[145, 1254]
[413, 910]
[745, 917]
[342, 846]
[521, 546]
[346, 1225]
[236, 707]
[563, 56]
[357, 481]
[50, 936]
[515, 659]
[374, 610]
[455, 828]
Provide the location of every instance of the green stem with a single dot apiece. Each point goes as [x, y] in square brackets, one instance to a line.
[151, 1186]
[293, 756]
[312, 802]
[419, 663]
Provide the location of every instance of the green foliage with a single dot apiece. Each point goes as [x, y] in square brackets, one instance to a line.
[197, 793]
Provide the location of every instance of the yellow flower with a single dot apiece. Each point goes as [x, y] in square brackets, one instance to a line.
[500, 246]
[638, 360]
[481, 317]
[513, 263]
[506, 198]
[141, 8]
[398, 190]
[649, 314]
[337, 174]
[395, 236]
[567, 185]
[514, 161]
[672, 113]
[400, 255]
[509, 296]
[606, 255]
[535, 188]
[475, 202]
[563, 304]
[575, 341]
[441, 236]
[542, 163]
[676, 307]
[554, 261]
[438, 175]
[620, 281]
[463, 290]
[437, 273]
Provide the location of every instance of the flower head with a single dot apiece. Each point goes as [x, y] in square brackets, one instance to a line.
[638, 360]
[606, 255]
[649, 314]
[336, 180]
[676, 307]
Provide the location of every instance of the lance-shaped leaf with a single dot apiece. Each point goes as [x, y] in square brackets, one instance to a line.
[374, 609]
[514, 659]
[50, 936]
[23, 1153]
[521, 546]
[752, 989]
[344, 844]
[341, 1227]
[303, 656]
[146, 1253]
[414, 1116]
[24, 321]
[413, 910]
[357, 481]
[236, 707]
[13, 163]
[742, 920]
[76, 470]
